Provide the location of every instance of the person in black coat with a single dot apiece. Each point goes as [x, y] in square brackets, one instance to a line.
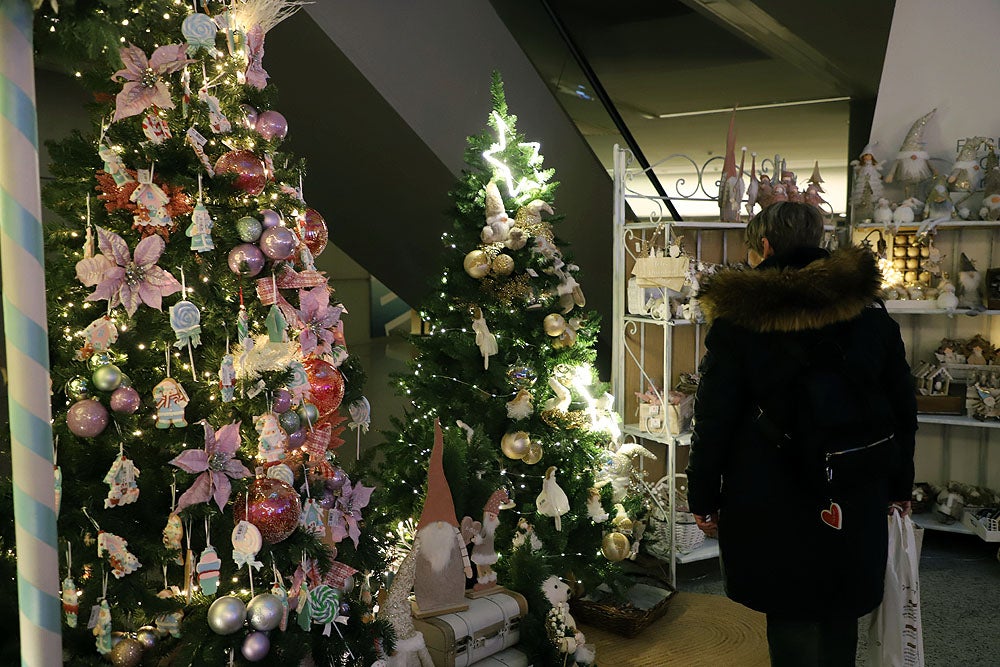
[805, 420]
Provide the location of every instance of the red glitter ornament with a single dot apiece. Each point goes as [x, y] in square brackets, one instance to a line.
[249, 170]
[327, 385]
[274, 508]
[312, 228]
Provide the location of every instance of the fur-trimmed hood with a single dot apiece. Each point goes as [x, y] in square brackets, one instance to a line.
[794, 296]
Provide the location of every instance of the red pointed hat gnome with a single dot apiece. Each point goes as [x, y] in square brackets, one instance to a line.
[442, 561]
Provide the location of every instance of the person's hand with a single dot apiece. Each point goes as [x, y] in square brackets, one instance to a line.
[708, 524]
[902, 506]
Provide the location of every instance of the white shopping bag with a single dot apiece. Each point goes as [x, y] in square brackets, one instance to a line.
[895, 636]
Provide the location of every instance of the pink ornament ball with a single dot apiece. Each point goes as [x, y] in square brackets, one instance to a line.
[246, 259]
[314, 232]
[249, 170]
[87, 418]
[270, 218]
[272, 125]
[277, 243]
[272, 506]
[125, 400]
[327, 385]
[249, 116]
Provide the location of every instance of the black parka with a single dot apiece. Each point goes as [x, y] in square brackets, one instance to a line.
[778, 557]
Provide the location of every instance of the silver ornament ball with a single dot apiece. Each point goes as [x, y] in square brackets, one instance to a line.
[99, 359]
[255, 646]
[226, 615]
[290, 421]
[126, 653]
[107, 377]
[249, 229]
[146, 636]
[78, 388]
[308, 414]
[264, 612]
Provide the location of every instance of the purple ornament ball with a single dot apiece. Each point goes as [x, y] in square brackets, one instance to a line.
[249, 116]
[246, 259]
[272, 125]
[277, 242]
[87, 418]
[255, 646]
[282, 401]
[338, 479]
[125, 400]
[297, 438]
[270, 218]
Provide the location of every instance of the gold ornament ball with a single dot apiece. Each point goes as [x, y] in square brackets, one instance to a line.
[515, 445]
[534, 454]
[615, 547]
[503, 265]
[127, 653]
[477, 264]
[554, 324]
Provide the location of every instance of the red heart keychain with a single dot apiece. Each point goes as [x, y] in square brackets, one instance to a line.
[832, 517]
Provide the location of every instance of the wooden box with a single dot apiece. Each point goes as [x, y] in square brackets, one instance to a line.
[490, 625]
[941, 405]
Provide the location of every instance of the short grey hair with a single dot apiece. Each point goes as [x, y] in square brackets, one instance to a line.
[786, 225]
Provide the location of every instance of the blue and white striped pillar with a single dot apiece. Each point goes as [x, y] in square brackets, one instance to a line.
[22, 262]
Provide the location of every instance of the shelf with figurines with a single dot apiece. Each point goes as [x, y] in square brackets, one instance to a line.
[961, 387]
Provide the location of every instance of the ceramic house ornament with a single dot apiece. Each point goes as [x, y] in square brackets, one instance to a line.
[442, 561]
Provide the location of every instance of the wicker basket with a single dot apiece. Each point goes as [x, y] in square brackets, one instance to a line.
[620, 616]
[686, 536]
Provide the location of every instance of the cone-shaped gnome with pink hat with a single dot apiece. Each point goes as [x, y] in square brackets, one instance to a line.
[442, 560]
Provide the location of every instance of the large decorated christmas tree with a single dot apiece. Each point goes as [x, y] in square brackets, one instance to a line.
[199, 365]
[505, 365]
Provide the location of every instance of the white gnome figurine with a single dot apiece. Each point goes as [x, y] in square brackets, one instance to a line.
[912, 164]
[442, 560]
[946, 295]
[966, 174]
[552, 501]
[990, 209]
[497, 229]
[969, 284]
[907, 212]
[411, 650]
[883, 213]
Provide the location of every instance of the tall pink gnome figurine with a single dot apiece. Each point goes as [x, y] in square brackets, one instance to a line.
[731, 184]
[442, 560]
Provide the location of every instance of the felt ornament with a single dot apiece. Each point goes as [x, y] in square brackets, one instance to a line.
[208, 568]
[200, 229]
[122, 479]
[116, 549]
[98, 337]
[151, 216]
[102, 630]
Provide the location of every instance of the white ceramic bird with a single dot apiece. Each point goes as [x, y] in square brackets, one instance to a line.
[552, 501]
[562, 397]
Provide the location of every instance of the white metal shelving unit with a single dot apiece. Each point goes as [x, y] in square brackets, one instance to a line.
[649, 331]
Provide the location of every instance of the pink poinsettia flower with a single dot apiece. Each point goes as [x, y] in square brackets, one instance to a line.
[144, 78]
[216, 463]
[122, 278]
[346, 512]
[315, 318]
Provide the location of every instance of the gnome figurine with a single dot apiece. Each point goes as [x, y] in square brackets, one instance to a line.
[912, 164]
[969, 285]
[731, 184]
[484, 554]
[967, 174]
[442, 560]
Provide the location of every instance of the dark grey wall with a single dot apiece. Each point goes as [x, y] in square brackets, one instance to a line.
[430, 64]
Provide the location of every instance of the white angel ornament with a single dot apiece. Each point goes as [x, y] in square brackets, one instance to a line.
[552, 501]
[486, 341]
